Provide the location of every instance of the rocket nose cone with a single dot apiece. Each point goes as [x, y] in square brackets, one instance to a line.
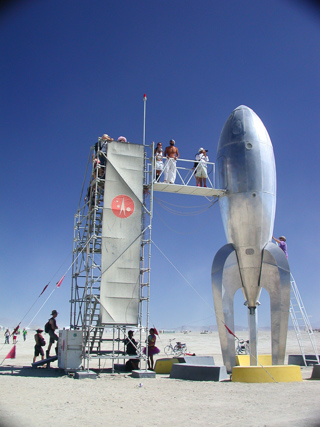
[242, 107]
[243, 124]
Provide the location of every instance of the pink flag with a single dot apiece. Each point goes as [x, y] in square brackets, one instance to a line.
[44, 289]
[12, 353]
[230, 331]
[60, 281]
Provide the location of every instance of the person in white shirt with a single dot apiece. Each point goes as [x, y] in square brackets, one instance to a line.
[158, 154]
[201, 171]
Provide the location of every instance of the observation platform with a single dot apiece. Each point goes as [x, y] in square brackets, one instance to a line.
[187, 189]
[185, 182]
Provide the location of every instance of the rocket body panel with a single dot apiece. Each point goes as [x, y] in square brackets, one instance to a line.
[246, 169]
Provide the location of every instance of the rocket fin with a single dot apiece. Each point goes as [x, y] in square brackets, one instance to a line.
[226, 280]
[275, 278]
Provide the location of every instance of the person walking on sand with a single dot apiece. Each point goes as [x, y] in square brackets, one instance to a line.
[170, 167]
[282, 243]
[40, 342]
[53, 336]
[7, 337]
[24, 334]
[152, 349]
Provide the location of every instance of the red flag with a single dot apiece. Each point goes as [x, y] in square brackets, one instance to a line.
[12, 353]
[44, 289]
[155, 331]
[60, 281]
[230, 332]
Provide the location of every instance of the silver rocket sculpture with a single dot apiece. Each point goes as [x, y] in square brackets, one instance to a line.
[249, 261]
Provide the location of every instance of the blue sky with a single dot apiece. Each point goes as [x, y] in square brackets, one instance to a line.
[71, 71]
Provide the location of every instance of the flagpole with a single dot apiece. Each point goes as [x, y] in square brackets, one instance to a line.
[41, 307]
[144, 118]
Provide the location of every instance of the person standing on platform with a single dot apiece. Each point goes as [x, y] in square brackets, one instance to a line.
[158, 155]
[201, 171]
[170, 166]
[152, 349]
[40, 342]
[282, 243]
[52, 328]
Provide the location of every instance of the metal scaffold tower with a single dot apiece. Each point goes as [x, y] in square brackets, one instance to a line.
[302, 325]
[100, 340]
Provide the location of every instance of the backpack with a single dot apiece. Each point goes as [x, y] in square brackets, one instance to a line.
[47, 327]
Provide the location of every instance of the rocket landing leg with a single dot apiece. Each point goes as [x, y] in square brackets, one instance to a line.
[226, 281]
[275, 278]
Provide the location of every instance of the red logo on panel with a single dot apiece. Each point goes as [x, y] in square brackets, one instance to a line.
[122, 206]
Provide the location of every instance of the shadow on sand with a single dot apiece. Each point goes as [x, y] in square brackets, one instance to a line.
[28, 371]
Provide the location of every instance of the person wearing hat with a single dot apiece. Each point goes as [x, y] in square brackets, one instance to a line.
[170, 167]
[40, 342]
[201, 173]
[122, 139]
[282, 243]
[53, 336]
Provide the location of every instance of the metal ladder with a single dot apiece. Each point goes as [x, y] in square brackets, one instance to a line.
[301, 323]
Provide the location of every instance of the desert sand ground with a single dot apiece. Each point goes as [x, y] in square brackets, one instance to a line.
[31, 397]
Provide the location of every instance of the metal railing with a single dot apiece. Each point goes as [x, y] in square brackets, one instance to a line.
[185, 171]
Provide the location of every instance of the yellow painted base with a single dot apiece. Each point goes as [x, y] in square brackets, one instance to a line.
[244, 359]
[267, 374]
[164, 366]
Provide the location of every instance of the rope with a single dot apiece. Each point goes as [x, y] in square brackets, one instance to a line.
[185, 279]
[175, 212]
[182, 232]
[59, 283]
[177, 206]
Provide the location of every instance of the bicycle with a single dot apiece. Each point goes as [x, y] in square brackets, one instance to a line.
[242, 347]
[177, 350]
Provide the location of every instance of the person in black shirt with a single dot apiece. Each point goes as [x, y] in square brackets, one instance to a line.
[53, 336]
[40, 342]
[131, 349]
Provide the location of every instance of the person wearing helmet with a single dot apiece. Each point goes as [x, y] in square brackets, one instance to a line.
[170, 167]
[282, 243]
